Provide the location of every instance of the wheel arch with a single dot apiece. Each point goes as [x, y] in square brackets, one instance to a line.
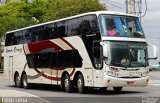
[63, 74]
[23, 72]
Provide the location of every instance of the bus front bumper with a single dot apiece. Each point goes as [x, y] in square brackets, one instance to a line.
[125, 82]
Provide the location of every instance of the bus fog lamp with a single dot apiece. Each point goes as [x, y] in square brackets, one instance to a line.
[109, 73]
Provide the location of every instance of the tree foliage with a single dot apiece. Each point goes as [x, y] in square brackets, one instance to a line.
[64, 8]
[18, 14]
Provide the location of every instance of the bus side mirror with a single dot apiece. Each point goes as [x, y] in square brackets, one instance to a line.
[155, 52]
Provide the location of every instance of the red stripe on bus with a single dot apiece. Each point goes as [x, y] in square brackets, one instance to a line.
[48, 77]
[72, 72]
[39, 46]
[67, 43]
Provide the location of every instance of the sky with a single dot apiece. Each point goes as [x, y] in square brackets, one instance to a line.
[150, 22]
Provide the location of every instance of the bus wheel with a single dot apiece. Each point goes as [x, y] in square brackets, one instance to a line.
[80, 84]
[18, 82]
[117, 89]
[25, 81]
[67, 84]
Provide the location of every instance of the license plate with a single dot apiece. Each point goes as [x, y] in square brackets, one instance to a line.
[130, 83]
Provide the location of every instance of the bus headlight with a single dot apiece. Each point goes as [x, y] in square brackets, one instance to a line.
[109, 73]
[113, 74]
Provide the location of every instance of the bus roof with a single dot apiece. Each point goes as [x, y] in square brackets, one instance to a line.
[71, 17]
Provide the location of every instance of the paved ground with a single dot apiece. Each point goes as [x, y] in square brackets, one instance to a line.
[54, 94]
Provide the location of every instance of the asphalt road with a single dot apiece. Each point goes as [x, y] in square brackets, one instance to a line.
[128, 94]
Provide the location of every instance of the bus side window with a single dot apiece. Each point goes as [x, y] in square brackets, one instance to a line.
[59, 29]
[48, 34]
[73, 27]
[39, 60]
[89, 25]
[15, 39]
[86, 27]
[30, 60]
[9, 39]
[69, 58]
[18, 38]
[36, 34]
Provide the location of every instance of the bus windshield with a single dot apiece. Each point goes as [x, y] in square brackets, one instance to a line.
[125, 54]
[121, 26]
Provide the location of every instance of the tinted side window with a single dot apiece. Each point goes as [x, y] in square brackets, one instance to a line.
[28, 36]
[89, 24]
[9, 39]
[39, 60]
[73, 26]
[18, 37]
[37, 33]
[69, 58]
[48, 32]
[30, 60]
[62, 59]
[60, 29]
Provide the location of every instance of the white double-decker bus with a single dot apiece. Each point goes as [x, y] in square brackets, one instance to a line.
[96, 49]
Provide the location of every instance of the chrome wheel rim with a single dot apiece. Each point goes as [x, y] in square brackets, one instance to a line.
[66, 83]
[79, 84]
[17, 80]
[24, 81]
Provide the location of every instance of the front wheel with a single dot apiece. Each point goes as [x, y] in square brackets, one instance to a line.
[18, 82]
[25, 81]
[80, 84]
[117, 89]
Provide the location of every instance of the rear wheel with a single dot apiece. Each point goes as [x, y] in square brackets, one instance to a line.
[67, 83]
[80, 84]
[117, 89]
[25, 81]
[18, 82]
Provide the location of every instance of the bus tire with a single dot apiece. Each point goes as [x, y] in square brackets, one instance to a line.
[80, 84]
[25, 83]
[18, 82]
[117, 89]
[67, 84]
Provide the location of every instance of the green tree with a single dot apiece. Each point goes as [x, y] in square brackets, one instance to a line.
[12, 16]
[64, 8]
[18, 14]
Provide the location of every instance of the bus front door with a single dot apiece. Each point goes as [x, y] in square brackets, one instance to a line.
[98, 64]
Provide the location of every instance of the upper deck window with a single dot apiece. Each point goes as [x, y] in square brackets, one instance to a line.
[121, 26]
